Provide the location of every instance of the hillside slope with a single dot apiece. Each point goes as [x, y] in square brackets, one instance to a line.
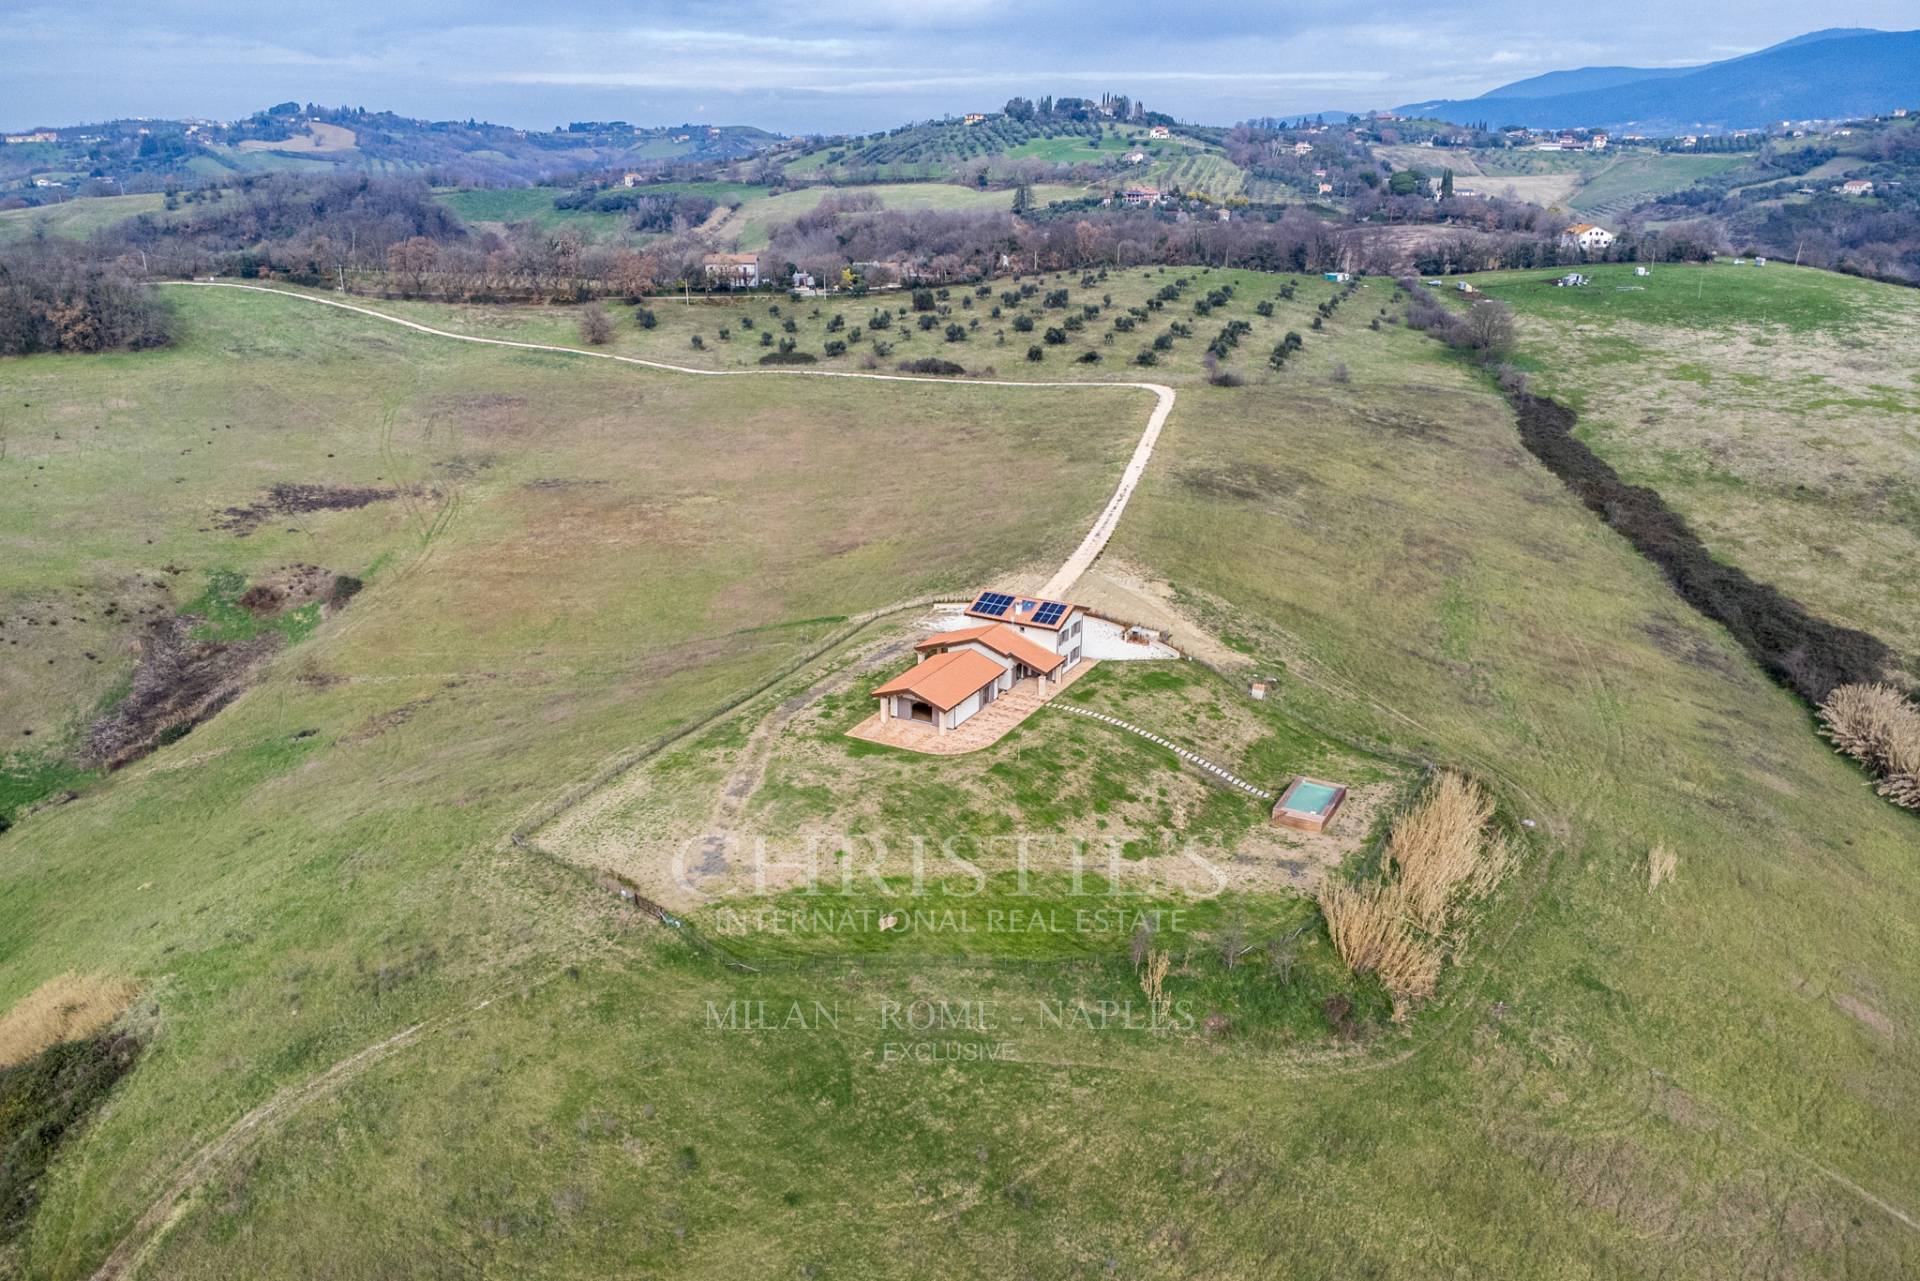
[1823, 79]
[1555, 83]
[429, 1050]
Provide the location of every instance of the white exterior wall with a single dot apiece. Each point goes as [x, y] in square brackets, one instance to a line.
[958, 715]
[1051, 639]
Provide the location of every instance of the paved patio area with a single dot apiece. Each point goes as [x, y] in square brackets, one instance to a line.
[983, 729]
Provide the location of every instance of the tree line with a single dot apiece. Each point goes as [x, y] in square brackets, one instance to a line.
[55, 297]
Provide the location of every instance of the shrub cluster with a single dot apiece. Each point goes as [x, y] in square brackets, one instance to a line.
[931, 365]
[53, 299]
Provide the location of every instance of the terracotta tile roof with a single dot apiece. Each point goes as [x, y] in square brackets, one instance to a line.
[945, 680]
[1001, 639]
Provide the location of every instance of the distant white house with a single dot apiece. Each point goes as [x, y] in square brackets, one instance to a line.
[1302, 148]
[738, 271]
[1136, 157]
[1159, 131]
[1141, 196]
[1855, 187]
[632, 179]
[1586, 237]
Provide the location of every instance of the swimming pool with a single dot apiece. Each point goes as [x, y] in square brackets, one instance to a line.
[1312, 798]
[1308, 804]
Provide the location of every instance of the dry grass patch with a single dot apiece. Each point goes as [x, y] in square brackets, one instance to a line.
[1878, 726]
[69, 1007]
[1403, 926]
[1662, 863]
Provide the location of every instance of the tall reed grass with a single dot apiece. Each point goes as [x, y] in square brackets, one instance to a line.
[1878, 726]
[1403, 925]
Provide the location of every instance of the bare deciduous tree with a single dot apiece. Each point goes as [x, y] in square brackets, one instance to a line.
[1490, 327]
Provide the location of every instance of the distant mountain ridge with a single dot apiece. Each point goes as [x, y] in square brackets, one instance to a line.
[1836, 72]
[1553, 83]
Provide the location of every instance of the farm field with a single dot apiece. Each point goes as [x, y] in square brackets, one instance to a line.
[1776, 408]
[317, 138]
[1598, 185]
[582, 562]
[753, 223]
[503, 205]
[1634, 179]
[76, 219]
[737, 331]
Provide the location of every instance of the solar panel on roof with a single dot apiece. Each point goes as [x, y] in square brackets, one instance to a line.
[993, 603]
[1049, 613]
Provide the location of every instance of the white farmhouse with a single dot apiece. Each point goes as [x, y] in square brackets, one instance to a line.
[736, 271]
[1586, 237]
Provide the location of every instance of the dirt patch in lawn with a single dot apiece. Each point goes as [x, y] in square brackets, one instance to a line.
[1246, 481]
[178, 683]
[182, 678]
[293, 500]
[1866, 1014]
[292, 586]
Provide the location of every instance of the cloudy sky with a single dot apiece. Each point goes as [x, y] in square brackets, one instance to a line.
[858, 65]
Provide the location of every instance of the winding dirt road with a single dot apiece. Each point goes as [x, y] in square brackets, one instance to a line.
[1063, 579]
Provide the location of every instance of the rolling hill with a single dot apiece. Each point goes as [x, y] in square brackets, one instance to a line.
[388, 1035]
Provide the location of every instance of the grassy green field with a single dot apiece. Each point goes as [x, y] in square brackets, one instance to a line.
[76, 219]
[1708, 1079]
[1633, 179]
[1596, 184]
[1776, 408]
[532, 204]
[756, 219]
[1073, 149]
